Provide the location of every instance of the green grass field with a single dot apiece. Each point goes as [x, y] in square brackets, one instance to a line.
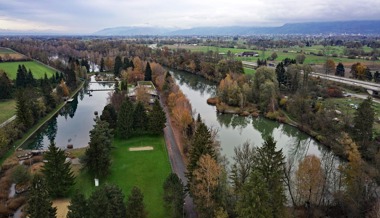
[292, 53]
[37, 69]
[144, 169]
[7, 109]
[249, 71]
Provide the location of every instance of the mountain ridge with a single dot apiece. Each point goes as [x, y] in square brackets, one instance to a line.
[334, 27]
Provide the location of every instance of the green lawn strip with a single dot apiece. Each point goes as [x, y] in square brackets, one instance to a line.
[36, 127]
[249, 71]
[7, 109]
[37, 69]
[144, 169]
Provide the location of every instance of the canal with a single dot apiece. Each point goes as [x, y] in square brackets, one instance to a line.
[74, 121]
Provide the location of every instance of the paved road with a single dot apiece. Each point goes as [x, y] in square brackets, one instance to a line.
[7, 121]
[348, 81]
[176, 160]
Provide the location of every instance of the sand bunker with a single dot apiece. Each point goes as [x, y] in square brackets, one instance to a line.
[61, 206]
[145, 148]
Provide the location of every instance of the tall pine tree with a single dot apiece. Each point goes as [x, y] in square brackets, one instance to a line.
[157, 119]
[125, 119]
[5, 86]
[148, 72]
[39, 203]
[97, 159]
[23, 109]
[174, 195]
[201, 144]
[269, 166]
[140, 118]
[339, 70]
[135, 204]
[363, 124]
[109, 115]
[107, 202]
[58, 174]
[117, 66]
[78, 207]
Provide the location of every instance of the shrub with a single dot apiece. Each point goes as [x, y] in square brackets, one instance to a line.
[19, 174]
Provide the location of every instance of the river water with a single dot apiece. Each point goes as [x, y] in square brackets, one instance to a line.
[234, 130]
[74, 121]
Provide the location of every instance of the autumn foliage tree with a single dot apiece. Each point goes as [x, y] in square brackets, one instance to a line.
[358, 71]
[204, 185]
[180, 108]
[229, 92]
[329, 66]
[309, 180]
[356, 181]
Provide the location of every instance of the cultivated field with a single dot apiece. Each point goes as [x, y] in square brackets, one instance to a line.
[37, 69]
[7, 54]
[144, 169]
[290, 52]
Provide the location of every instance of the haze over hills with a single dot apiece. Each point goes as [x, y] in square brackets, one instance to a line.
[338, 27]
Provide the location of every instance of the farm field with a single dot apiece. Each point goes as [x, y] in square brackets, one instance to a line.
[8, 109]
[292, 52]
[37, 69]
[6, 53]
[144, 169]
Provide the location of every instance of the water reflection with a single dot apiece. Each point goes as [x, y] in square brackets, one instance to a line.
[74, 121]
[235, 130]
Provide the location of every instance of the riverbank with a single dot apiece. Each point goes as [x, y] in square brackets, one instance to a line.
[278, 116]
[17, 144]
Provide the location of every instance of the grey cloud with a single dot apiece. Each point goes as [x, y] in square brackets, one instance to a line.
[87, 16]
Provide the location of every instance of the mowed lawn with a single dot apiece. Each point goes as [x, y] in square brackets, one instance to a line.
[144, 169]
[7, 109]
[37, 69]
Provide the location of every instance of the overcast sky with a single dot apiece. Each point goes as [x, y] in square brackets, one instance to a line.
[88, 16]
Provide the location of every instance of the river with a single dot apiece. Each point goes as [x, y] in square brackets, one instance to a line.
[234, 130]
[74, 121]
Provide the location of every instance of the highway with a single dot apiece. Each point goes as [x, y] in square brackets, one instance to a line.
[353, 82]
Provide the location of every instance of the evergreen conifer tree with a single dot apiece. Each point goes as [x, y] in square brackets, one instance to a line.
[58, 174]
[148, 73]
[97, 159]
[174, 195]
[269, 166]
[78, 207]
[5, 86]
[107, 202]
[140, 118]
[135, 204]
[201, 144]
[117, 66]
[39, 203]
[157, 119]
[125, 119]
